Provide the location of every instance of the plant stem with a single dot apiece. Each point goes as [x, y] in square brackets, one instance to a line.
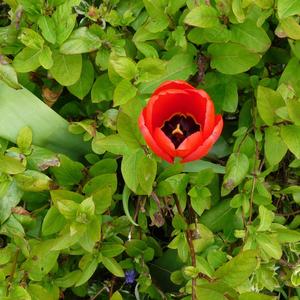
[189, 237]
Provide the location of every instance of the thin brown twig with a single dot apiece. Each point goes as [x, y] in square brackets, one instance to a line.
[292, 213]
[189, 237]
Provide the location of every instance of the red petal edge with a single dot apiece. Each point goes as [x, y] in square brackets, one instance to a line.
[208, 143]
[151, 142]
[173, 85]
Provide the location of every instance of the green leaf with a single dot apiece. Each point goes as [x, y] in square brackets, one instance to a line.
[293, 107]
[33, 181]
[24, 139]
[45, 58]
[116, 296]
[237, 9]
[236, 169]
[199, 165]
[158, 19]
[109, 249]
[221, 217]
[200, 199]
[124, 91]
[249, 35]
[22, 108]
[150, 68]
[81, 41]
[68, 280]
[64, 21]
[291, 28]
[53, 222]
[47, 26]
[215, 291]
[288, 8]
[128, 131]
[255, 296]
[232, 58]
[9, 75]
[275, 148]
[112, 266]
[216, 34]
[266, 218]
[111, 143]
[102, 199]
[31, 39]
[88, 270]
[291, 136]
[238, 269]
[146, 173]
[27, 60]
[223, 90]
[69, 172]
[202, 16]
[268, 101]
[10, 196]
[269, 245]
[129, 169]
[66, 68]
[180, 66]
[102, 89]
[37, 292]
[99, 182]
[11, 165]
[82, 87]
[124, 66]
[125, 201]
[18, 292]
[291, 75]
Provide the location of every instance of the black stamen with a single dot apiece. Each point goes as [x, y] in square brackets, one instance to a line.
[179, 127]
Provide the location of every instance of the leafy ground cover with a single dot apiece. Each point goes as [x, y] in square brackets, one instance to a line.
[87, 211]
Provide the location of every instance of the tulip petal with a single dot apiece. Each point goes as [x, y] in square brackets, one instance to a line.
[202, 150]
[151, 142]
[168, 103]
[164, 142]
[209, 121]
[173, 85]
[189, 144]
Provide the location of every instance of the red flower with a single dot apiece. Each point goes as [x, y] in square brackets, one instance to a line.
[180, 121]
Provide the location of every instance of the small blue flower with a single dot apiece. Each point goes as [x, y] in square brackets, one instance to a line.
[130, 276]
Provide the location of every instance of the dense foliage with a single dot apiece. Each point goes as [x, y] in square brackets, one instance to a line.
[87, 211]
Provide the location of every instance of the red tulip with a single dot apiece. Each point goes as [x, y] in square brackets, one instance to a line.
[180, 121]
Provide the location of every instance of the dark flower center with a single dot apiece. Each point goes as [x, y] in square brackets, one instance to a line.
[179, 127]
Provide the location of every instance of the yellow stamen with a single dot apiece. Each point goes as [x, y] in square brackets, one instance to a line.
[177, 130]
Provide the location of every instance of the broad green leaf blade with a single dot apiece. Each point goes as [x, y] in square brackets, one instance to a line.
[275, 148]
[27, 60]
[238, 269]
[180, 66]
[236, 170]
[268, 101]
[291, 136]
[81, 41]
[232, 58]
[288, 8]
[8, 74]
[66, 69]
[202, 16]
[82, 87]
[255, 296]
[252, 37]
[22, 108]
